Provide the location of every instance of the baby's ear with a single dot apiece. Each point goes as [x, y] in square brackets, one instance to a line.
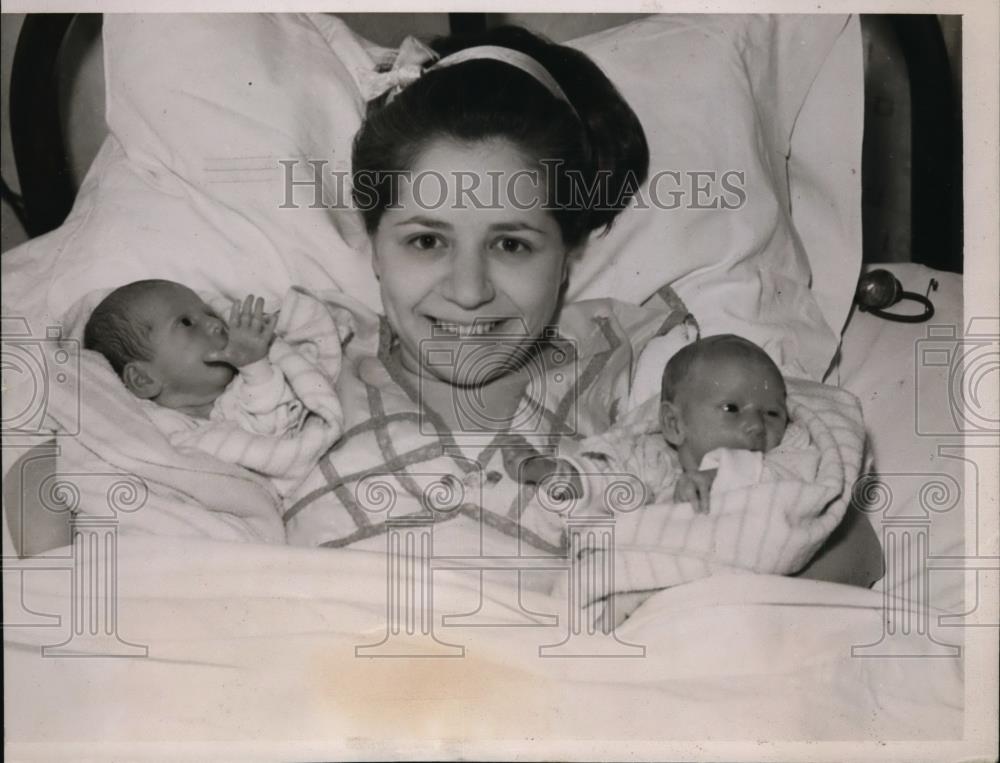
[671, 424]
[139, 381]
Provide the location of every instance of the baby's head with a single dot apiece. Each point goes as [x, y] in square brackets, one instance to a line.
[156, 335]
[722, 392]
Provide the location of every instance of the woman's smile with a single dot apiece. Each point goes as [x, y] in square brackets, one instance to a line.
[479, 327]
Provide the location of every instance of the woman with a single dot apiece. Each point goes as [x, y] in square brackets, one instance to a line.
[545, 121]
[480, 175]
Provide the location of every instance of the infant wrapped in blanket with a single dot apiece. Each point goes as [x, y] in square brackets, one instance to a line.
[722, 408]
[205, 449]
[722, 435]
[230, 388]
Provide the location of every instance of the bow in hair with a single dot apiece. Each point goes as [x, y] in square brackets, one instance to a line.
[407, 66]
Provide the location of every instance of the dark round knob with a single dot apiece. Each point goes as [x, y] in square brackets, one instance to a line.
[877, 290]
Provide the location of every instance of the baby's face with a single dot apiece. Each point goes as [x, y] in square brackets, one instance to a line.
[183, 331]
[731, 402]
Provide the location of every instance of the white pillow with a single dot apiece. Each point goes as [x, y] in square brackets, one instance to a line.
[201, 108]
[722, 94]
[188, 186]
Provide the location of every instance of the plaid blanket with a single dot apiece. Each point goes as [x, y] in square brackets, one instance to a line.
[399, 461]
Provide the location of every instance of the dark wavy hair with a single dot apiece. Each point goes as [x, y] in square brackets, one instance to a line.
[602, 144]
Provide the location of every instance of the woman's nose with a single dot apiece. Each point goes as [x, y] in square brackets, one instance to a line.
[470, 282]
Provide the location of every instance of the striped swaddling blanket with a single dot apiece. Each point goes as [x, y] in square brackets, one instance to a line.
[773, 527]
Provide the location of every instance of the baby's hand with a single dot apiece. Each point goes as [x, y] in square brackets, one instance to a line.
[694, 487]
[517, 453]
[526, 465]
[250, 334]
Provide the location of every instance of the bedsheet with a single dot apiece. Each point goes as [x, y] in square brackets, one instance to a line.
[258, 646]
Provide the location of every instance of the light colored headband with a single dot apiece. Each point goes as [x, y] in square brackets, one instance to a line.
[408, 66]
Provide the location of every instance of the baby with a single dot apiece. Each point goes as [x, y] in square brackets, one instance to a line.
[170, 348]
[722, 407]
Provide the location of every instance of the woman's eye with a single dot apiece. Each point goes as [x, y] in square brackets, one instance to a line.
[775, 414]
[513, 246]
[425, 241]
[187, 322]
[730, 408]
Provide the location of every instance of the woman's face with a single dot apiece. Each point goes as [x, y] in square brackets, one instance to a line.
[469, 263]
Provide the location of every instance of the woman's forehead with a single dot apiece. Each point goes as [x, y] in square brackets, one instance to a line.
[492, 178]
[497, 153]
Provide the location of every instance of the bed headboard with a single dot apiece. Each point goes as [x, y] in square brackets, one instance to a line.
[922, 150]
